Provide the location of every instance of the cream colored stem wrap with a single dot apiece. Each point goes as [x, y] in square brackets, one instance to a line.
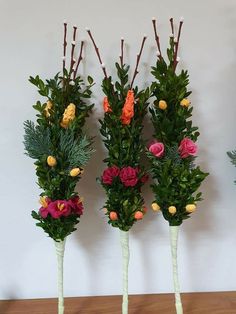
[174, 230]
[124, 240]
[60, 248]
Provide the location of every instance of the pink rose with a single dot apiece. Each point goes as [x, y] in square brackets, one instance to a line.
[187, 148]
[157, 149]
[109, 174]
[59, 208]
[76, 205]
[128, 176]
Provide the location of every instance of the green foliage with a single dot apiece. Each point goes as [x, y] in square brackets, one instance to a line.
[176, 179]
[232, 156]
[124, 145]
[57, 229]
[67, 144]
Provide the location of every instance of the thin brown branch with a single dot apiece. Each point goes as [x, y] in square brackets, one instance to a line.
[138, 60]
[157, 38]
[98, 53]
[72, 61]
[177, 45]
[79, 59]
[64, 46]
[122, 52]
[172, 25]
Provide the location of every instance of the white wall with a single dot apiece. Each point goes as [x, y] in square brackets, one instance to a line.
[30, 41]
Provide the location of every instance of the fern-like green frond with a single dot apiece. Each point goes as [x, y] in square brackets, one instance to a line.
[37, 140]
[77, 151]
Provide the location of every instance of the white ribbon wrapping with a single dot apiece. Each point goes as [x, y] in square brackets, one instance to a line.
[60, 248]
[124, 241]
[174, 230]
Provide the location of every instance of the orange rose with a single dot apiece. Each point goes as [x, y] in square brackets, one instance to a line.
[106, 105]
[128, 109]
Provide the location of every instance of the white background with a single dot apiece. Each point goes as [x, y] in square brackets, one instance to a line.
[30, 44]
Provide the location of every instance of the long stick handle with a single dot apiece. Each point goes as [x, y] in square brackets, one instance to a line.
[124, 240]
[60, 248]
[174, 230]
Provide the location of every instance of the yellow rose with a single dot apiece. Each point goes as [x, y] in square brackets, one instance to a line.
[68, 115]
[185, 102]
[51, 161]
[43, 201]
[162, 105]
[190, 208]
[172, 210]
[47, 108]
[75, 172]
[155, 207]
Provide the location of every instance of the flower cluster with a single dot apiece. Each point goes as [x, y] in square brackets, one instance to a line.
[60, 208]
[129, 176]
[186, 148]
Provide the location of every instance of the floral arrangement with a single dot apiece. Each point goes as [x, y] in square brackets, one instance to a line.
[124, 110]
[172, 152]
[59, 146]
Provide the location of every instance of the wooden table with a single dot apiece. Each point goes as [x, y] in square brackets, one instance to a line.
[194, 303]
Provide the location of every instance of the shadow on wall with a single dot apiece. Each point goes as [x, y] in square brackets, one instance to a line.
[92, 227]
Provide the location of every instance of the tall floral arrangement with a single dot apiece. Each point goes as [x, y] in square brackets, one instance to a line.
[121, 126]
[60, 149]
[172, 152]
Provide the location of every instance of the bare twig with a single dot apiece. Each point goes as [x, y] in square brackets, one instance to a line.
[79, 59]
[122, 51]
[177, 44]
[157, 38]
[138, 60]
[64, 46]
[172, 26]
[98, 53]
[72, 61]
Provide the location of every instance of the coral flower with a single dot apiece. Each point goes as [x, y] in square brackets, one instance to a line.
[128, 109]
[106, 105]
[138, 215]
[113, 216]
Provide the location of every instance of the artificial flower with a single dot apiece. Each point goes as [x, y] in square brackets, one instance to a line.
[59, 208]
[190, 208]
[138, 215]
[187, 148]
[157, 149]
[109, 174]
[75, 172]
[113, 216]
[128, 108]
[155, 207]
[68, 115]
[172, 210]
[128, 176]
[51, 161]
[106, 105]
[76, 205]
[162, 104]
[48, 108]
[185, 102]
